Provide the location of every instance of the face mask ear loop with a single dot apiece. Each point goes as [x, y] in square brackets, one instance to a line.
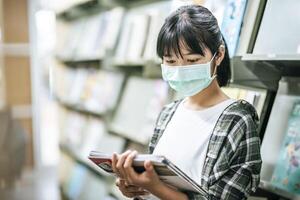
[214, 75]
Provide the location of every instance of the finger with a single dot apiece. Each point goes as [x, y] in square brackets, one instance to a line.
[135, 189]
[120, 162]
[119, 182]
[149, 168]
[134, 194]
[130, 173]
[114, 162]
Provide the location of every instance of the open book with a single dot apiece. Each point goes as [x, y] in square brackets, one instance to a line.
[166, 170]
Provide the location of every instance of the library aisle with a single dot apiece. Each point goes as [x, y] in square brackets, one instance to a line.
[84, 75]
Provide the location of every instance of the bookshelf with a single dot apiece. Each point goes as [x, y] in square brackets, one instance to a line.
[107, 72]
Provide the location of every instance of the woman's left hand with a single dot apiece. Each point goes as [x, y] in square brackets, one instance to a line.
[123, 167]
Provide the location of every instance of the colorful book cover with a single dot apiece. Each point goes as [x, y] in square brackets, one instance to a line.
[232, 22]
[287, 171]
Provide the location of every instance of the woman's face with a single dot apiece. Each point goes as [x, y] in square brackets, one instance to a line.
[188, 58]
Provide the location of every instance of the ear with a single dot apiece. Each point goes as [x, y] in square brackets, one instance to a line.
[220, 55]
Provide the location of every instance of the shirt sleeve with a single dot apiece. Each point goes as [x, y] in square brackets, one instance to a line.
[243, 175]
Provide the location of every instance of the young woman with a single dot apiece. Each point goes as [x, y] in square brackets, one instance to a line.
[211, 137]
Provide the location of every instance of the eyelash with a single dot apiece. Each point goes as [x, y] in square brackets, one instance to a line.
[170, 61]
[189, 60]
[193, 60]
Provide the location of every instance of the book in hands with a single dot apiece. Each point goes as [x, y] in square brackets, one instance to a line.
[165, 169]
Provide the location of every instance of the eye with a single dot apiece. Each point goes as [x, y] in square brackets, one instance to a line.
[170, 61]
[193, 60]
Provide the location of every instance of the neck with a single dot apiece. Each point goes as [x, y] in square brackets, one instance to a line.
[210, 96]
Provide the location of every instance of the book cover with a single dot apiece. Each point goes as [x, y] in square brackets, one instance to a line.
[165, 169]
[252, 14]
[135, 117]
[232, 22]
[287, 170]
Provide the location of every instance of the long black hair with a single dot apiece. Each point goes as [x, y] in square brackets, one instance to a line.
[198, 29]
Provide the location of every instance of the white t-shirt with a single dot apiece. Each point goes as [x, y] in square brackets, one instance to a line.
[185, 139]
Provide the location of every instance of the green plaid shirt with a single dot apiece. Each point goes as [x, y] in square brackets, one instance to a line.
[233, 161]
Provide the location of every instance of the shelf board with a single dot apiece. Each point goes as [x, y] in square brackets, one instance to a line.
[273, 189]
[264, 71]
[79, 109]
[82, 9]
[90, 7]
[15, 49]
[79, 61]
[80, 160]
[113, 131]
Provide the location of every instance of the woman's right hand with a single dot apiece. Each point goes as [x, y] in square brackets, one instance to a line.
[130, 190]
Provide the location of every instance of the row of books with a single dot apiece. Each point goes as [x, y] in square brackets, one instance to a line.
[77, 182]
[89, 38]
[281, 145]
[92, 90]
[98, 92]
[132, 33]
[85, 133]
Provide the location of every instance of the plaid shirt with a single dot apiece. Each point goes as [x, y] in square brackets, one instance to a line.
[233, 161]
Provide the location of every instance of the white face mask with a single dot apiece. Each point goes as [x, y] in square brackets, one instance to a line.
[188, 80]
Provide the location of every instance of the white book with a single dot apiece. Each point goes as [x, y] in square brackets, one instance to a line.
[103, 91]
[137, 39]
[73, 39]
[156, 22]
[135, 117]
[97, 138]
[114, 17]
[166, 170]
[87, 41]
[123, 43]
[77, 87]
[250, 18]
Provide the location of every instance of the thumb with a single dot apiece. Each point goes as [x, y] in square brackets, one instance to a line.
[149, 167]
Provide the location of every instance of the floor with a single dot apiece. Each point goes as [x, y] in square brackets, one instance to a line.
[34, 185]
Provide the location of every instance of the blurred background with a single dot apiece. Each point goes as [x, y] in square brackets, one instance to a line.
[82, 75]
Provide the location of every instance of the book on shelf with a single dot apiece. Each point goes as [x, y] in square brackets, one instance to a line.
[166, 170]
[139, 33]
[232, 22]
[91, 90]
[76, 181]
[113, 28]
[135, 117]
[252, 16]
[267, 40]
[73, 129]
[157, 17]
[90, 42]
[77, 87]
[95, 188]
[287, 174]
[89, 38]
[77, 30]
[101, 91]
[217, 7]
[96, 137]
